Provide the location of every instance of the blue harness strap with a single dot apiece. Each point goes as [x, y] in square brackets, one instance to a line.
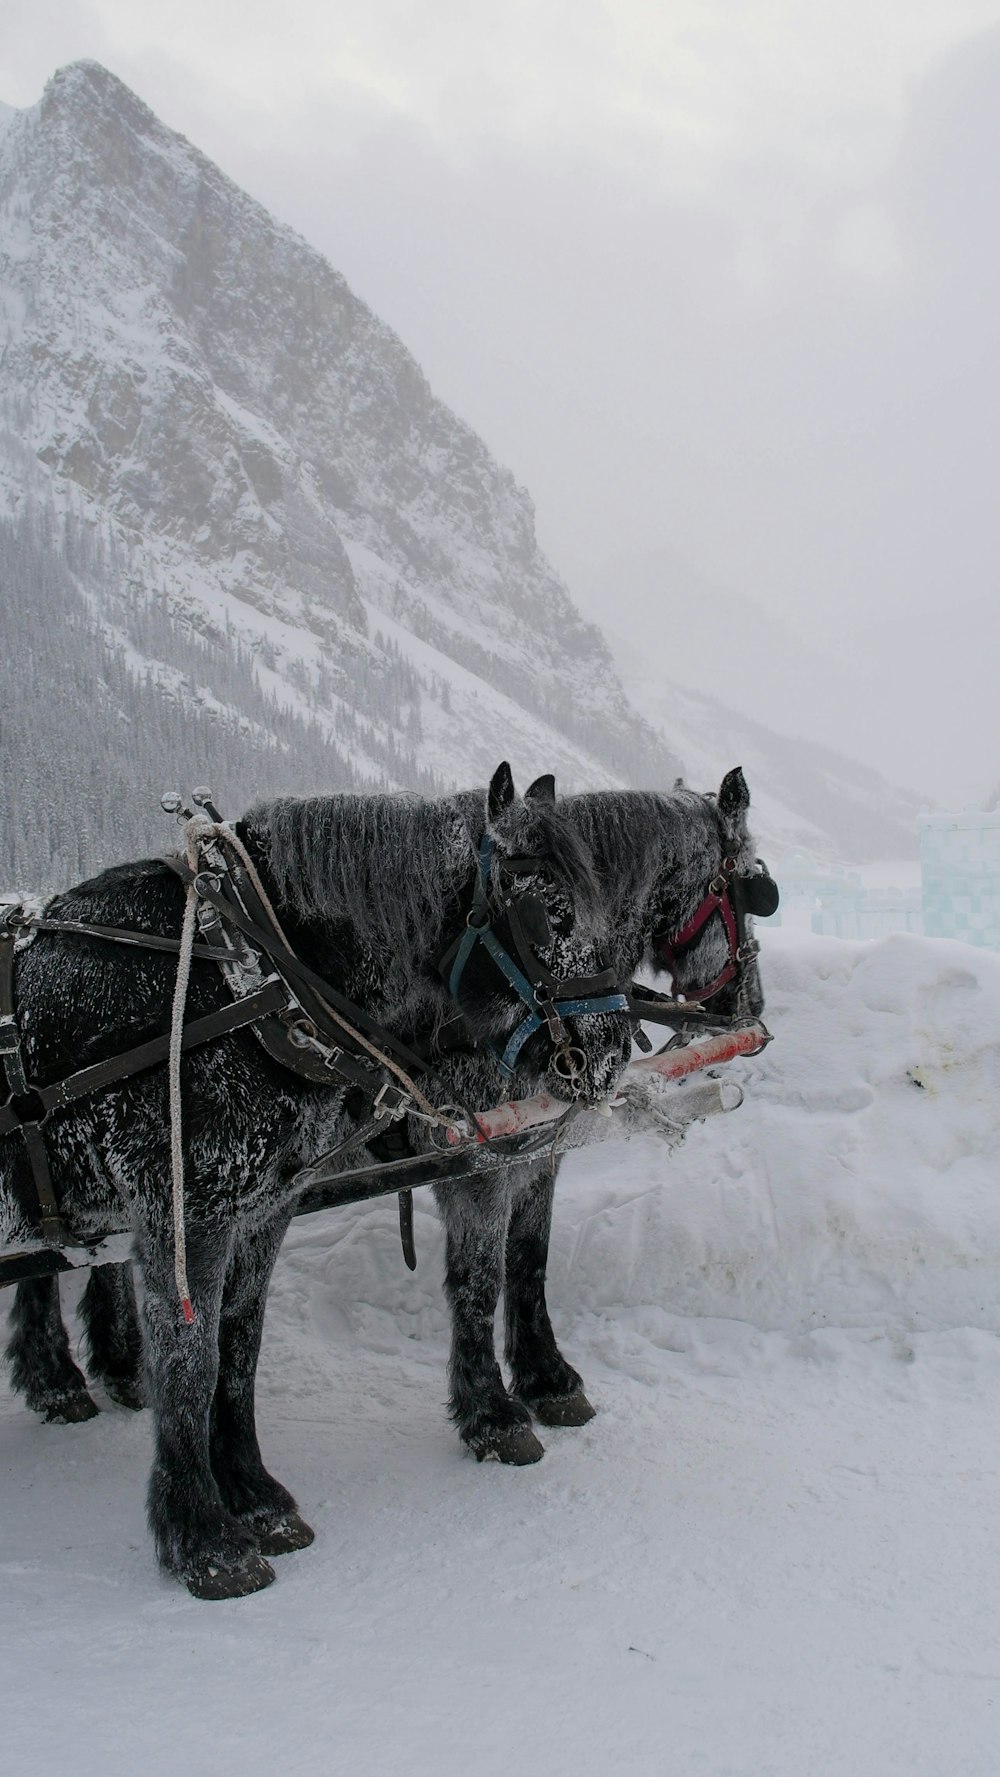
[483, 933]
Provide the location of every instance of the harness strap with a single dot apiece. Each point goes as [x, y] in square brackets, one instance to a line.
[25, 1116]
[241, 883]
[121, 935]
[270, 998]
[547, 999]
[210, 889]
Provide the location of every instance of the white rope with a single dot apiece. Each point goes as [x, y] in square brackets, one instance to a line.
[174, 1070]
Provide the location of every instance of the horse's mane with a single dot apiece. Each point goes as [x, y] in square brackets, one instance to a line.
[389, 865]
[630, 833]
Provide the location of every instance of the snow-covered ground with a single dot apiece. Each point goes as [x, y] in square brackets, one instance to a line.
[776, 1551]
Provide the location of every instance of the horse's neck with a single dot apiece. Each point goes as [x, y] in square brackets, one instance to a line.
[395, 982]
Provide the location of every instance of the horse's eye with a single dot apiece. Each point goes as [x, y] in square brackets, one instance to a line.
[535, 921]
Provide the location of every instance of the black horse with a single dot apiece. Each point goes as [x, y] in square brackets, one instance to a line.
[370, 891]
[654, 857]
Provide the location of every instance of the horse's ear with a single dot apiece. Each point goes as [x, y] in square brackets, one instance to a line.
[501, 791]
[542, 790]
[734, 797]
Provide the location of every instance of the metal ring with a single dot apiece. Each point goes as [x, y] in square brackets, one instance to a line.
[569, 1063]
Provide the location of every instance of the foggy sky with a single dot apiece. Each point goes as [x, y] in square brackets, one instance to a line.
[722, 279]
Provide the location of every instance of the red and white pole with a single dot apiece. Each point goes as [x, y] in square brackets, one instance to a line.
[675, 1064]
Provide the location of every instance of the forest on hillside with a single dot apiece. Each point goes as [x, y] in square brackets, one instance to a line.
[108, 698]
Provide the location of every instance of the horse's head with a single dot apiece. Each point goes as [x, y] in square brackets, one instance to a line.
[527, 968]
[700, 927]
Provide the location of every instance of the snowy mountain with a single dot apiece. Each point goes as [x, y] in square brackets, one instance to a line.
[275, 551]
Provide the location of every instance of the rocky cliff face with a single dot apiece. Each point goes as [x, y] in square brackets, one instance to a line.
[202, 386]
[256, 502]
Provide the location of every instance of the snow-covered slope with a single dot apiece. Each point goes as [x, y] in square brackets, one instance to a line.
[240, 435]
[775, 1550]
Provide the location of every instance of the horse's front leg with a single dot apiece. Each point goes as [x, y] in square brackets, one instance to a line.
[489, 1421]
[198, 1538]
[39, 1356]
[540, 1375]
[251, 1494]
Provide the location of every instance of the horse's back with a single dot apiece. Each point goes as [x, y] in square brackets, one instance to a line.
[82, 999]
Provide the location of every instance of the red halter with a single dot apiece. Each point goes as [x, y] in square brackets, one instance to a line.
[741, 948]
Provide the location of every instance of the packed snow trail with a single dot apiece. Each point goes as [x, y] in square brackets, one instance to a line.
[775, 1551]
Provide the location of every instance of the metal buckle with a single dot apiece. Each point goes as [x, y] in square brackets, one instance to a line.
[392, 1102]
[10, 1036]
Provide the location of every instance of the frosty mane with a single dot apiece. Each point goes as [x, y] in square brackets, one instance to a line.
[393, 866]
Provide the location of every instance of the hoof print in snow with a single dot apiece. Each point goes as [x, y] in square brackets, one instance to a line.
[569, 1409]
[290, 1533]
[251, 1574]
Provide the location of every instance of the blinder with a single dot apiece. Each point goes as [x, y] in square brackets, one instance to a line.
[548, 999]
[757, 891]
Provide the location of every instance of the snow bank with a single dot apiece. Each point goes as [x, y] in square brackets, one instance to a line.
[859, 1183]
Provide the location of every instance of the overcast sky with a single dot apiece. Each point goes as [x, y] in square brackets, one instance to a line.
[714, 276]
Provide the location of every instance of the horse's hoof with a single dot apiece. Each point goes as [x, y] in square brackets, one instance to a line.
[68, 1409]
[567, 1409]
[290, 1533]
[251, 1574]
[125, 1392]
[517, 1445]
